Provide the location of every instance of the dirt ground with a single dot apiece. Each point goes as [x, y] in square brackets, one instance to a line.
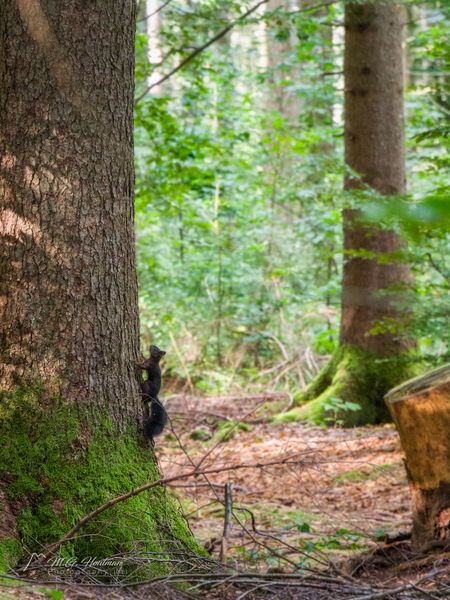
[347, 488]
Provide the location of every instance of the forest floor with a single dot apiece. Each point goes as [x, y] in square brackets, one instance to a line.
[344, 488]
[329, 496]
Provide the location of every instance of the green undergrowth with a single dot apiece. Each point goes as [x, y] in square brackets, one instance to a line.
[365, 473]
[60, 464]
[350, 390]
[226, 430]
[302, 530]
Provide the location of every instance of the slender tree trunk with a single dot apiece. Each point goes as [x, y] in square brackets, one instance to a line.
[373, 354]
[70, 399]
[153, 21]
[279, 97]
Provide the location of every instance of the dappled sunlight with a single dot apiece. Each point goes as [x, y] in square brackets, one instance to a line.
[17, 227]
[56, 57]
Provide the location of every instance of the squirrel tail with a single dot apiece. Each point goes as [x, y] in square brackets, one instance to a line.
[157, 420]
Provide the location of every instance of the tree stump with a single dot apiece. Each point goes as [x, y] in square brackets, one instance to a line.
[421, 411]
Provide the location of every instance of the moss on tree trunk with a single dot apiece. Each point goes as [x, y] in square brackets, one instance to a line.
[350, 389]
[57, 465]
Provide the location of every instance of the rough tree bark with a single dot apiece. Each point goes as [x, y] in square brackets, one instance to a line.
[421, 411]
[68, 306]
[374, 150]
[374, 352]
[67, 263]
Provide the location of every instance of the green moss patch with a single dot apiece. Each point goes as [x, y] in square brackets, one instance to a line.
[226, 430]
[366, 473]
[60, 465]
[10, 552]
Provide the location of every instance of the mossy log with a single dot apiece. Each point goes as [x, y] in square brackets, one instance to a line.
[421, 411]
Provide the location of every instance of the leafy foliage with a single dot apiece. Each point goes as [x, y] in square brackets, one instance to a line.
[239, 173]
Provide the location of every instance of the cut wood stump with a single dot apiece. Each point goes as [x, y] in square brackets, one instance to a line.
[421, 411]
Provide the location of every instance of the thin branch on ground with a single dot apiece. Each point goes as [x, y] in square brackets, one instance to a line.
[50, 551]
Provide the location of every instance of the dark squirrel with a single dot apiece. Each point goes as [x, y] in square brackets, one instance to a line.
[157, 419]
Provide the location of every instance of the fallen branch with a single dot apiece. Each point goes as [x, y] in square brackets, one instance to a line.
[50, 551]
[254, 397]
[316, 584]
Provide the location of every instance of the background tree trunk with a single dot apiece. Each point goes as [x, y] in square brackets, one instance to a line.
[421, 411]
[373, 354]
[278, 97]
[153, 17]
[374, 151]
[70, 398]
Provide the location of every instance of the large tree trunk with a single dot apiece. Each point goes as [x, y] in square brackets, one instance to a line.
[374, 347]
[67, 269]
[67, 263]
[421, 411]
